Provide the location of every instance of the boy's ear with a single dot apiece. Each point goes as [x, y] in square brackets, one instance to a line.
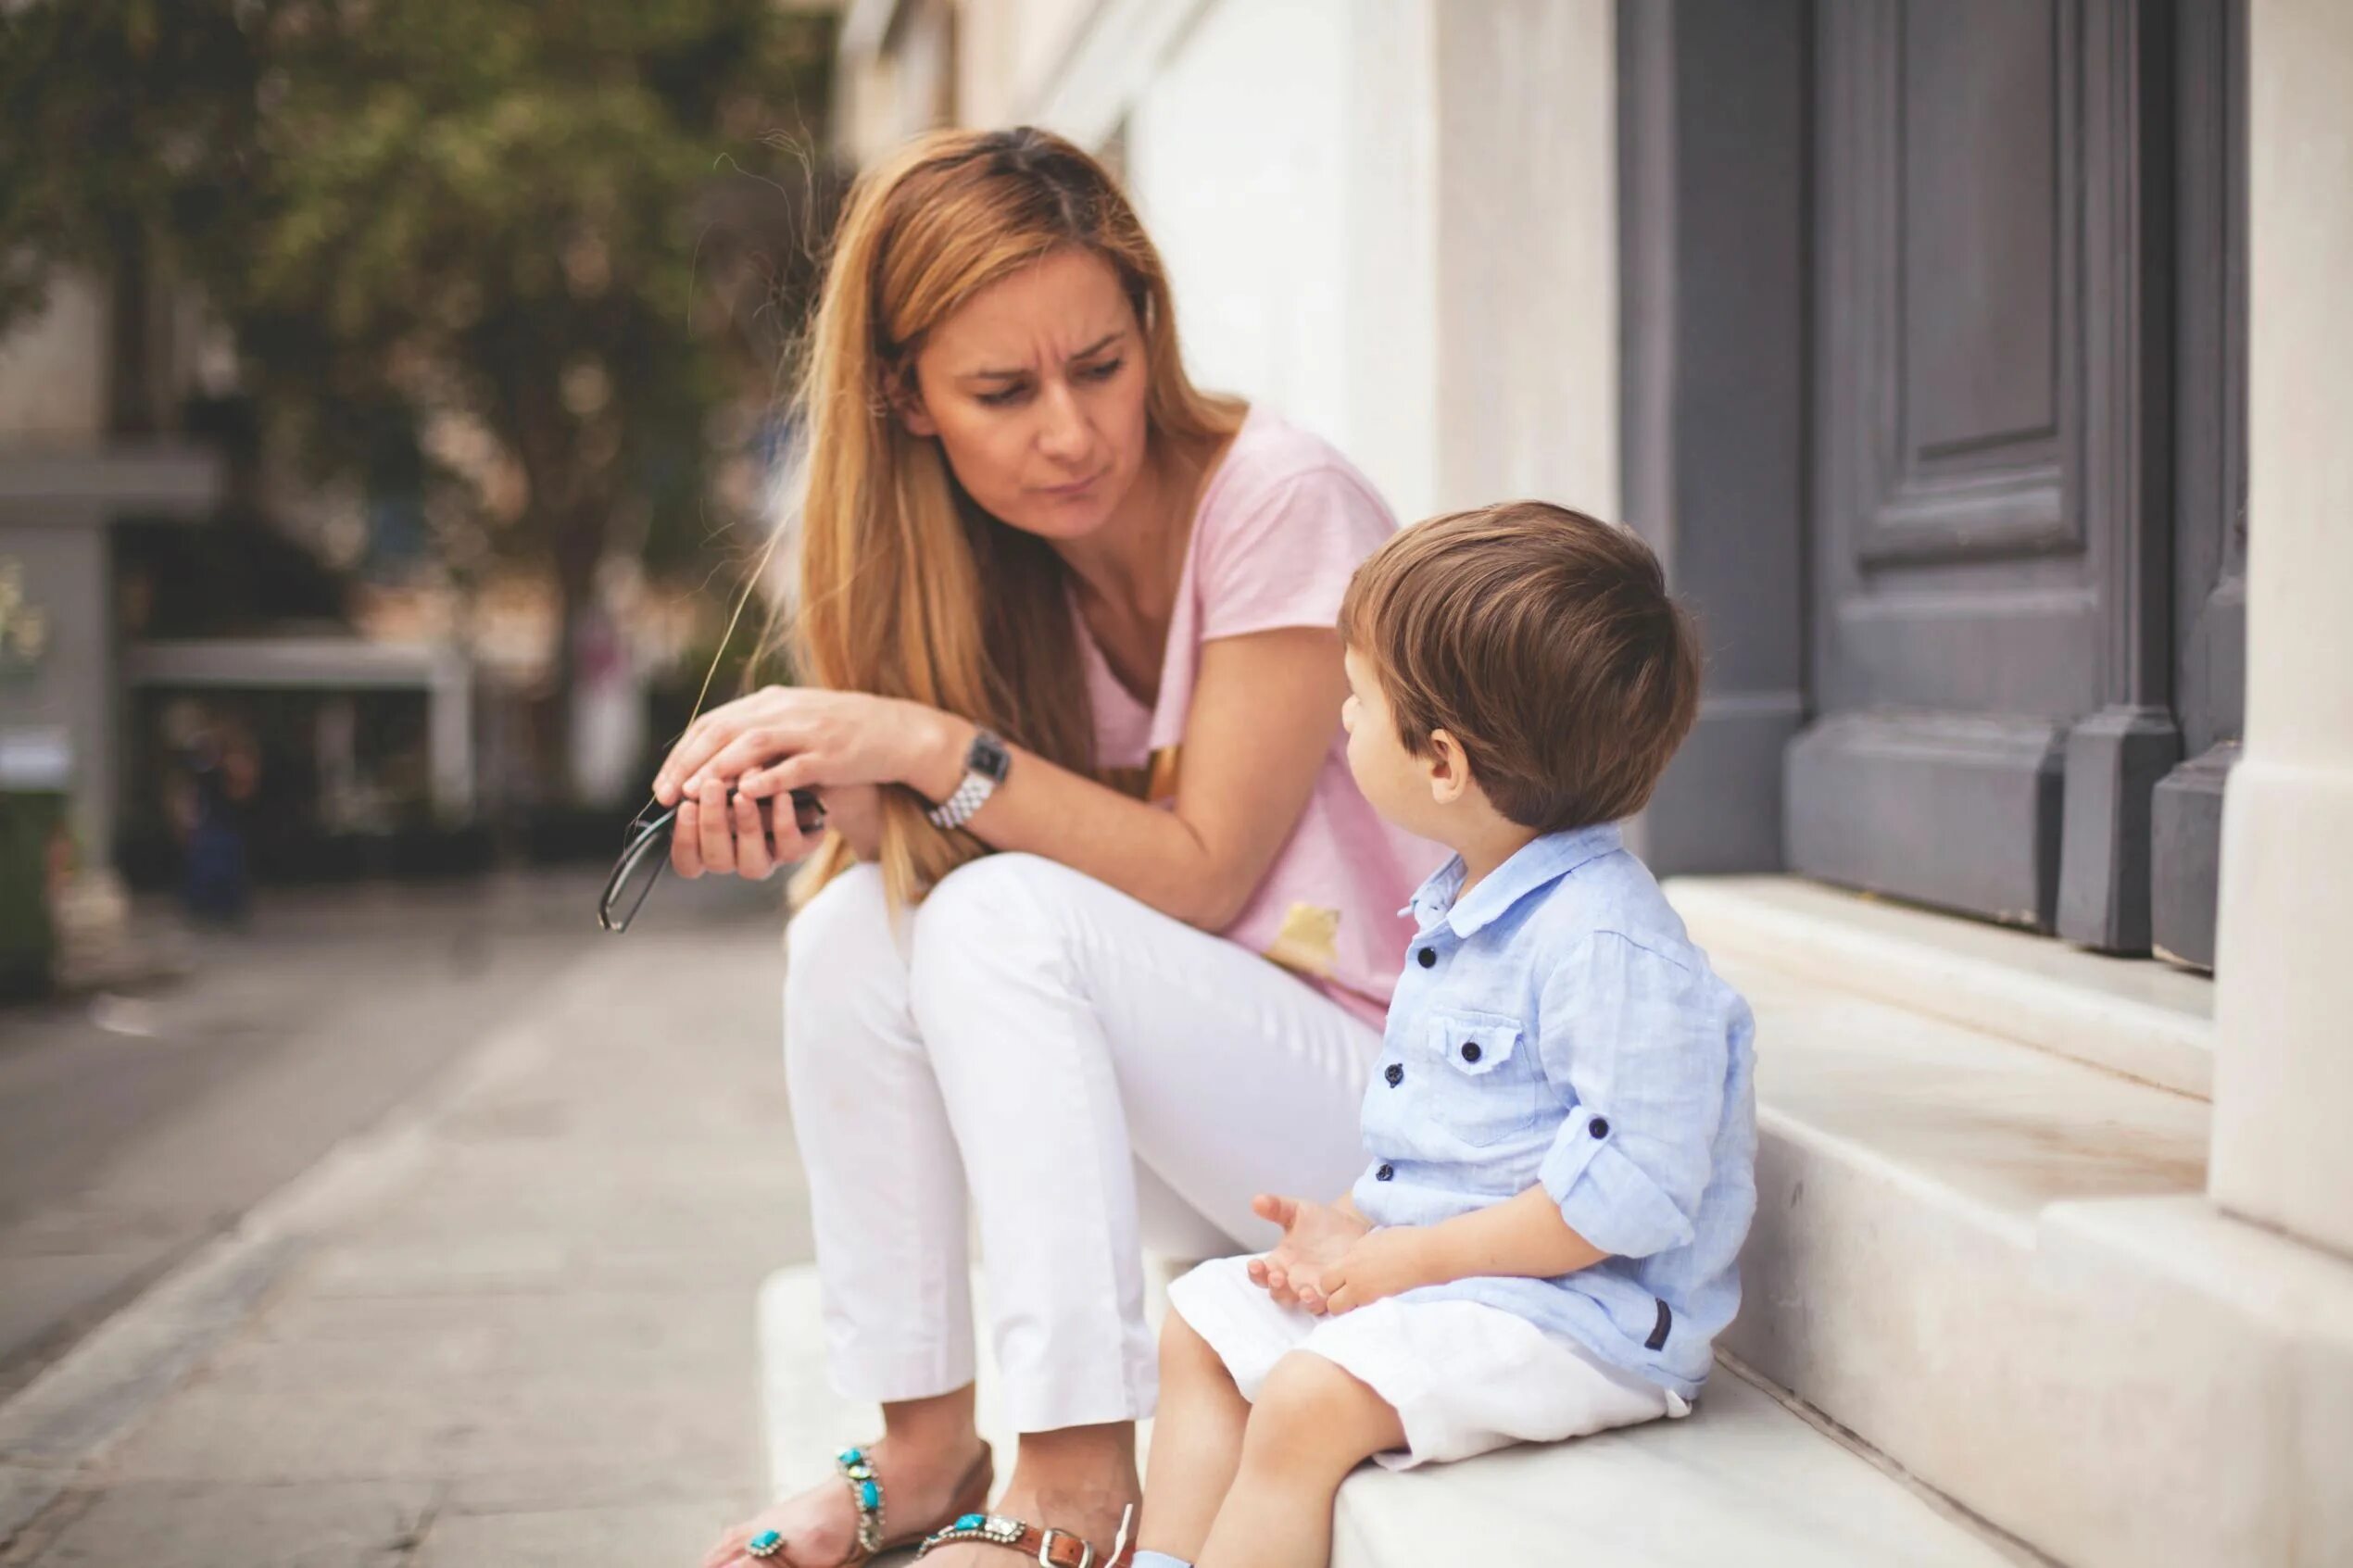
[1450, 775]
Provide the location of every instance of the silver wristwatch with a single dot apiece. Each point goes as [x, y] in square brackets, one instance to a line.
[986, 766]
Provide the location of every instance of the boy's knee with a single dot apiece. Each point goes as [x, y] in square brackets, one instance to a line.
[1311, 1416]
[1186, 1359]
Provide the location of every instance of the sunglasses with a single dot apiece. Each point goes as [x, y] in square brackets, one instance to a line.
[648, 851]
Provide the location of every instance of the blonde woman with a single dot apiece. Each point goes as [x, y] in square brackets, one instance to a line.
[1100, 938]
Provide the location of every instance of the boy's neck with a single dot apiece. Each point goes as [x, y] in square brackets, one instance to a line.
[1484, 850]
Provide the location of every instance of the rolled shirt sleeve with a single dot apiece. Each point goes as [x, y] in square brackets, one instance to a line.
[1643, 1050]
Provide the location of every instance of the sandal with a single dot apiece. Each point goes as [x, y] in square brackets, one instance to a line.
[1050, 1547]
[865, 1490]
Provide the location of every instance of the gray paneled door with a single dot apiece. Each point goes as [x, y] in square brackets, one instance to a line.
[2010, 220]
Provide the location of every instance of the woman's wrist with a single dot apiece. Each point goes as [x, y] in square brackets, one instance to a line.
[939, 743]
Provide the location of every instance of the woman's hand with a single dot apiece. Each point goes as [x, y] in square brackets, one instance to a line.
[1316, 1236]
[782, 738]
[751, 838]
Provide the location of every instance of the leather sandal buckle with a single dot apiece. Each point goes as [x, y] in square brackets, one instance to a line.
[1045, 1546]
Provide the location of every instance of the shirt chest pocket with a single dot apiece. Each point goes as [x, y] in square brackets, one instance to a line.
[1487, 1085]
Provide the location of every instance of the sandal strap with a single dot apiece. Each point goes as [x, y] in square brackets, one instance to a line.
[865, 1490]
[1052, 1547]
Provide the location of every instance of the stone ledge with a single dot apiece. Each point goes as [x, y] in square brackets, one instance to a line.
[2138, 1017]
[1743, 1480]
[1997, 1266]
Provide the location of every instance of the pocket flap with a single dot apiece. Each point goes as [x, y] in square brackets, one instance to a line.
[1475, 1044]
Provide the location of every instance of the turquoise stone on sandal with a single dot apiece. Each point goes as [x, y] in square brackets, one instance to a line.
[865, 1490]
[766, 1545]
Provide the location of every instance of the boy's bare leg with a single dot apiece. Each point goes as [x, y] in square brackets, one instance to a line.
[1313, 1423]
[1197, 1443]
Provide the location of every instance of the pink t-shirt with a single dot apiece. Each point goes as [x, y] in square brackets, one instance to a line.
[1283, 523]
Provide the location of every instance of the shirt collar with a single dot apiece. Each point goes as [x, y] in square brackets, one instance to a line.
[1538, 863]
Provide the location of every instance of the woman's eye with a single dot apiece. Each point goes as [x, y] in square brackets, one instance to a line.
[1000, 399]
[1103, 372]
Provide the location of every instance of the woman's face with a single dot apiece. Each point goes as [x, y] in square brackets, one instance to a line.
[1035, 390]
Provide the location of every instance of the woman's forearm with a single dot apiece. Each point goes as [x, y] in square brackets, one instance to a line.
[1154, 856]
[1263, 719]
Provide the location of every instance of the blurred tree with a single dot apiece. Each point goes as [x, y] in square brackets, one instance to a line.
[528, 265]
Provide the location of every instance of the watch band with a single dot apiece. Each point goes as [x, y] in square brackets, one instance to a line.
[985, 768]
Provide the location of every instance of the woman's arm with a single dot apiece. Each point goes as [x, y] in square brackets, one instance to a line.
[1264, 711]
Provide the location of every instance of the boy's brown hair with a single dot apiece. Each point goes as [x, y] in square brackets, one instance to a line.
[1544, 641]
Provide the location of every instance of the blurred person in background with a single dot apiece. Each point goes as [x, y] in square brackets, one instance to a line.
[1102, 932]
[220, 772]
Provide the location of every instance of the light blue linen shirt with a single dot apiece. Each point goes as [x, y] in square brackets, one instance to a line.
[1558, 1027]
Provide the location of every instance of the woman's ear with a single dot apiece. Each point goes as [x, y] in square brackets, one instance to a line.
[907, 402]
[1450, 775]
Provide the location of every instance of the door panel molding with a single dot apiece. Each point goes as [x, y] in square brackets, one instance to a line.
[1992, 506]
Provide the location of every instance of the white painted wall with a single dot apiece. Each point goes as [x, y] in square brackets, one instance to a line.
[1395, 220]
[1527, 253]
[1237, 155]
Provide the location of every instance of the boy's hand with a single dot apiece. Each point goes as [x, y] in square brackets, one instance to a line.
[1316, 1235]
[1382, 1262]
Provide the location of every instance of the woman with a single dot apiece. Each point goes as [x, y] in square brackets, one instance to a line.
[1057, 604]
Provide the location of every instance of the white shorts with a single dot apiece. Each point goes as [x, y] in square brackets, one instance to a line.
[1462, 1376]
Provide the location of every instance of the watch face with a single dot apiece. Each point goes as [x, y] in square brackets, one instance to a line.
[988, 758]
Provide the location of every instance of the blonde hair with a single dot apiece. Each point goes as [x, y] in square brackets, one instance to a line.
[906, 587]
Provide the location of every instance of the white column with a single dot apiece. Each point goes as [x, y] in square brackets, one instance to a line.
[1527, 244]
[2283, 1150]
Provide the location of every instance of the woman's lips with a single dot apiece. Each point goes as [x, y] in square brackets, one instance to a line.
[1071, 490]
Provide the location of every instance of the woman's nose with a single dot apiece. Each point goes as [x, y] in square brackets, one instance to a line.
[1065, 435]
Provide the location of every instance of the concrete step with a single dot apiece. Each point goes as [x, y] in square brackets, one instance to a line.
[2139, 1016]
[1995, 1264]
[1743, 1480]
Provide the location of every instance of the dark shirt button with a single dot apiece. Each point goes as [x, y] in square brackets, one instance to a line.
[1470, 1050]
[1384, 1172]
[1428, 957]
[1600, 1127]
[1395, 1075]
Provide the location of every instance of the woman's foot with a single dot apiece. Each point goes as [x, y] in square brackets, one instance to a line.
[820, 1526]
[1080, 1479]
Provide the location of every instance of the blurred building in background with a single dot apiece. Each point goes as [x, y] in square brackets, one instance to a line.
[1979, 372]
[89, 448]
[371, 500]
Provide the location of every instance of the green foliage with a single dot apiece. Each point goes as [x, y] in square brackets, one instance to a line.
[573, 226]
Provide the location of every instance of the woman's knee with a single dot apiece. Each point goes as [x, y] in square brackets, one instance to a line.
[838, 926]
[996, 910]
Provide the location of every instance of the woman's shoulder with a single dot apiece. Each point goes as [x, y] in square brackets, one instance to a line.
[1273, 463]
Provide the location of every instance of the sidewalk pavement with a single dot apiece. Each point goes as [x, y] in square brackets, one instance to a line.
[515, 1324]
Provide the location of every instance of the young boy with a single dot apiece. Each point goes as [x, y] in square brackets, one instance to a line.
[1560, 1127]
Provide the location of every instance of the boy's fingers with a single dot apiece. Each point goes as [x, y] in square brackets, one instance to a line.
[1281, 1211]
[1256, 1270]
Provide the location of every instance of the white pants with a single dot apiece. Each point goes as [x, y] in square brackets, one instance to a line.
[1092, 1074]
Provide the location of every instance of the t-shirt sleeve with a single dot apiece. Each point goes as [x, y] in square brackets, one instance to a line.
[1282, 557]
